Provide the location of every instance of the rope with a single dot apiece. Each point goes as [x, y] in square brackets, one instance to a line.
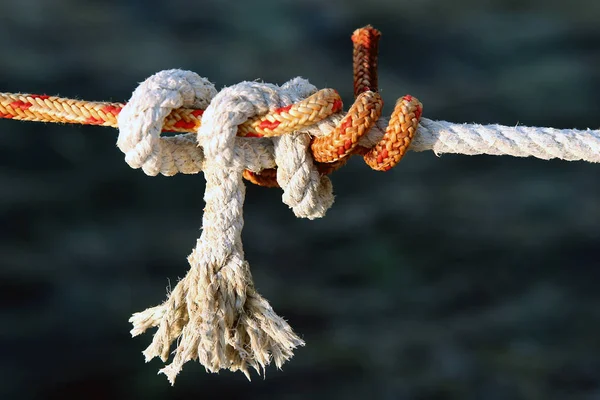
[214, 312]
[43, 108]
[439, 136]
[288, 136]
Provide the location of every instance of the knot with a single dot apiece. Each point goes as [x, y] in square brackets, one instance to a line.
[305, 190]
[214, 312]
[289, 136]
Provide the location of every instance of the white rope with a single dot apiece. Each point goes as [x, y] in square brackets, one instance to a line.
[517, 141]
[475, 139]
[181, 153]
[214, 312]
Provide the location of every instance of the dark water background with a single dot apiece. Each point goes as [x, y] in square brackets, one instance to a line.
[446, 278]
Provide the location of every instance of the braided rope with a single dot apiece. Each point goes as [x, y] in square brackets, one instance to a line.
[364, 58]
[43, 108]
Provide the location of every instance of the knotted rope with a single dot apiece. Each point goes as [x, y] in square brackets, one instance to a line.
[290, 136]
[214, 311]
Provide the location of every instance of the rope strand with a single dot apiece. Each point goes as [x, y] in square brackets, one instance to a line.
[438, 136]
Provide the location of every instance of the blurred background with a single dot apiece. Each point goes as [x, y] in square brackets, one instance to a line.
[448, 277]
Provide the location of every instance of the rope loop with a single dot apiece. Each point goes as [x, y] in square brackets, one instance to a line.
[141, 120]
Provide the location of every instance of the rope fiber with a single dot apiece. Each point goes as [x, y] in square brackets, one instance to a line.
[290, 136]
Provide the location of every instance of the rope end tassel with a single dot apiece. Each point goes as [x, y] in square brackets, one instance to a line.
[290, 136]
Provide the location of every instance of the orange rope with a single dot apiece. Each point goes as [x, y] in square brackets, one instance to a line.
[365, 111]
[364, 58]
[42, 108]
[329, 152]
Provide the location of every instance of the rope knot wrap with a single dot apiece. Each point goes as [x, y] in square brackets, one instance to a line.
[215, 312]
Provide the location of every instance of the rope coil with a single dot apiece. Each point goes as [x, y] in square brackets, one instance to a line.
[288, 136]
